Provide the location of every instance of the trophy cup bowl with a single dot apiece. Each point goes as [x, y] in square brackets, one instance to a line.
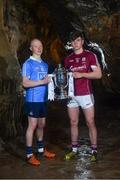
[61, 81]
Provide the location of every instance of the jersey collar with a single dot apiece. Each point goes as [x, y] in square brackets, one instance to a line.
[38, 60]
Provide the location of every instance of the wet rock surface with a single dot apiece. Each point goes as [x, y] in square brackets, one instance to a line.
[12, 152]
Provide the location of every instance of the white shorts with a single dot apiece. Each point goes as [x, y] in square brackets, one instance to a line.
[84, 102]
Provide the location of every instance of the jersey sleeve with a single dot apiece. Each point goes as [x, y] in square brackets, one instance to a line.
[26, 70]
[93, 61]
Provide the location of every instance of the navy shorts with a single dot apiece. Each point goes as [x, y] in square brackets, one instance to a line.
[36, 109]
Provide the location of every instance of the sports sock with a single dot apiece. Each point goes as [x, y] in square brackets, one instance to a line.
[75, 148]
[29, 151]
[40, 146]
[94, 148]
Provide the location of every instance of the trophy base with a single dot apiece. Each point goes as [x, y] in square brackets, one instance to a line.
[60, 94]
[60, 97]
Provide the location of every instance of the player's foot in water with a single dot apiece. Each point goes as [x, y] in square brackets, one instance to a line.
[33, 160]
[46, 153]
[70, 155]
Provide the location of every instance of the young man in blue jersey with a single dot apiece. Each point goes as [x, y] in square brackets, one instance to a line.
[35, 81]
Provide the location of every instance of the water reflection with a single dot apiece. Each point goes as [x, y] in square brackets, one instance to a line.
[82, 168]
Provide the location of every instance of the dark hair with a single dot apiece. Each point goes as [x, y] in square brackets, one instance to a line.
[75, 34]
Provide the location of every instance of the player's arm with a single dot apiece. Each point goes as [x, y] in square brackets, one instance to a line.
[96, 73]
[30, 83]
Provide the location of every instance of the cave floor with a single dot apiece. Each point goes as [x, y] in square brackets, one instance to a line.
[12, 156]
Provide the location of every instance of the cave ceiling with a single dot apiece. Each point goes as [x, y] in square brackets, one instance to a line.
[69, 14]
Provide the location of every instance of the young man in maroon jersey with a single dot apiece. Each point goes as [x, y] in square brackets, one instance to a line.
[85, 67]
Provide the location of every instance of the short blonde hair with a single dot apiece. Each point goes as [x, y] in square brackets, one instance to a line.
[34, 40]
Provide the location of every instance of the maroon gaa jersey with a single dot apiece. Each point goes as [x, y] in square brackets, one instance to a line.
[83, 62]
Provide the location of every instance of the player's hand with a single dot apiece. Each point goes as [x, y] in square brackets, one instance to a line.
[46, 80]
[77, 75]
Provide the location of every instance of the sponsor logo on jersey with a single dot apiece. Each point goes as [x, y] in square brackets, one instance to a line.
[78, 68]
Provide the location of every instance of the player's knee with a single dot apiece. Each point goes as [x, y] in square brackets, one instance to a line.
[90, 123]
[74, 123]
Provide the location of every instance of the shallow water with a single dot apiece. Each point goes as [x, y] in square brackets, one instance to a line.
[12, 156]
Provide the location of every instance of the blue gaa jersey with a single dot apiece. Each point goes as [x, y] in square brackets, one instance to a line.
[35, 70]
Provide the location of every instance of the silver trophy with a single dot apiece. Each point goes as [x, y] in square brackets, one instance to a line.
[61, 85]
[61, 82]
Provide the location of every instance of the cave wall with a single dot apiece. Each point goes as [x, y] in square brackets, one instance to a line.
[8, 60]
[10, 78]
